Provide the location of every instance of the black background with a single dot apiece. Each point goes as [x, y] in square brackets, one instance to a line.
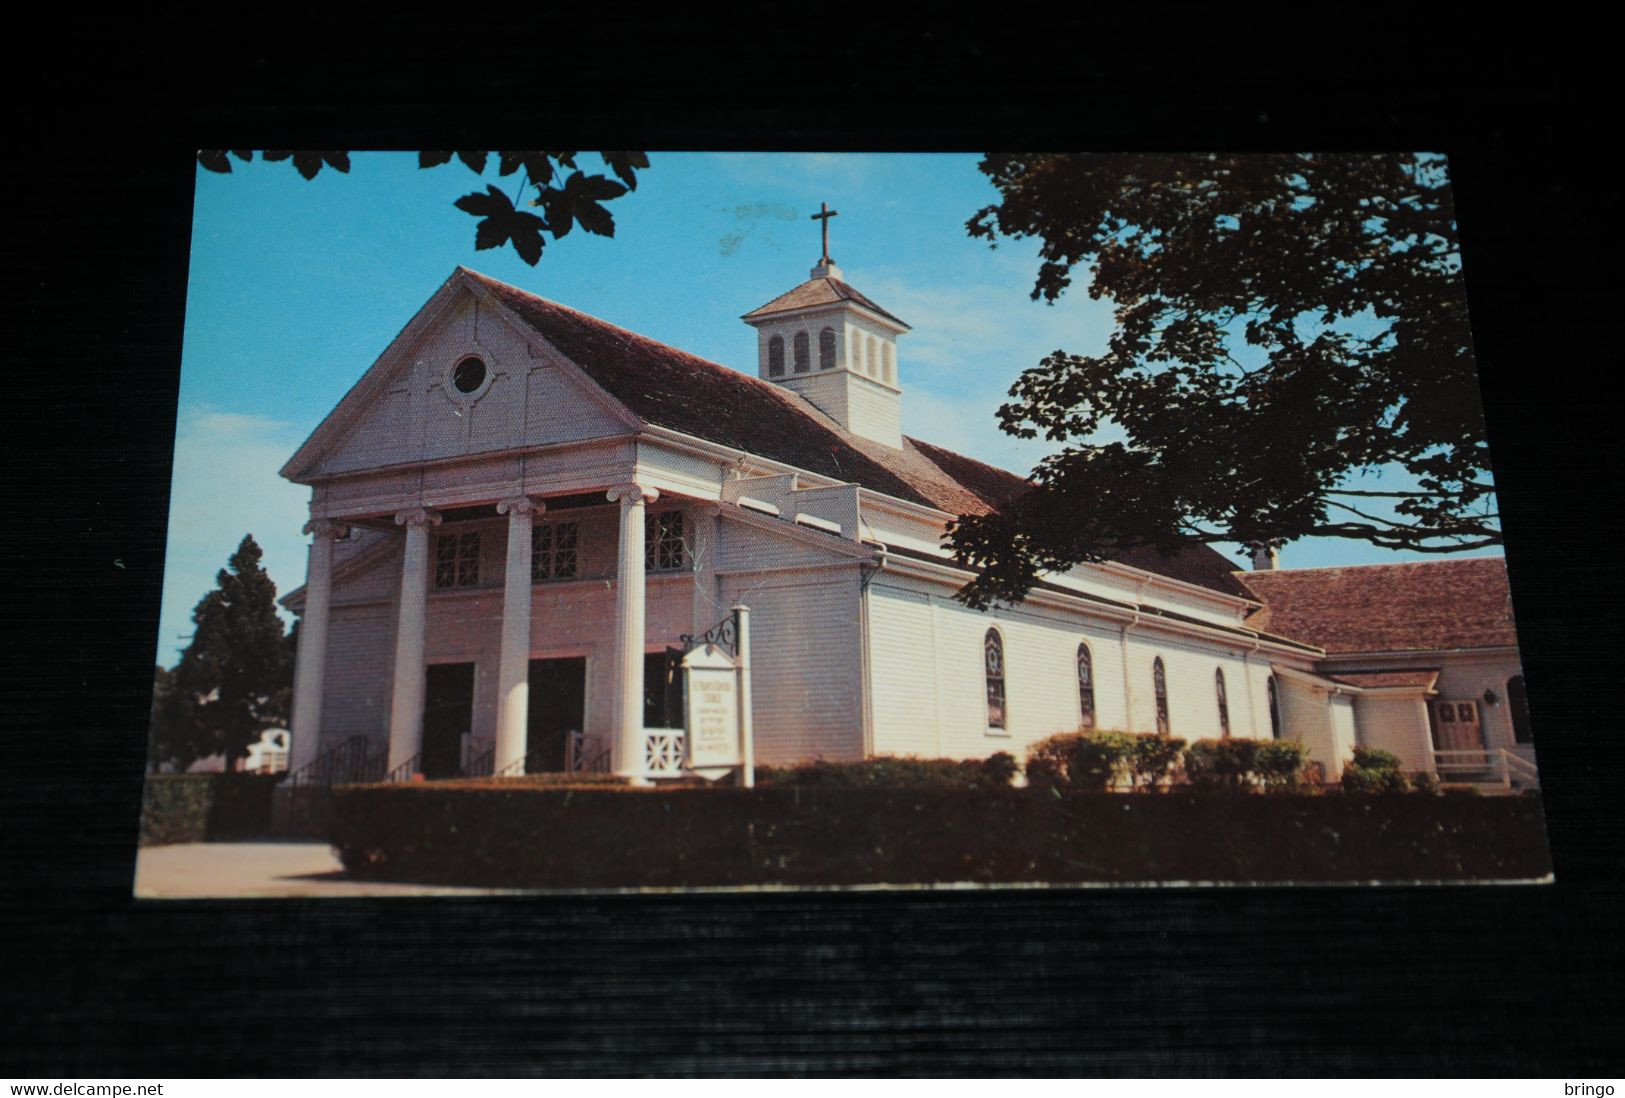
[103, 118]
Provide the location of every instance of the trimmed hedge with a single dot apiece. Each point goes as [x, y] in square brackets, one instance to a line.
[195, 808]
[595, 838]
[896, 772]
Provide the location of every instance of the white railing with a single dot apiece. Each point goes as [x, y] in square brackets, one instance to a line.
[663, 752]
[1520, 769]
[1485, 766]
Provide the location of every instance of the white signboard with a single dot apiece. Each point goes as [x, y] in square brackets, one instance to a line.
[711, 719]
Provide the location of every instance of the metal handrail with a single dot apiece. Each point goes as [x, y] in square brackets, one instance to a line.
[345, 762]
[595, 764]
[404, 772]
[479, 766]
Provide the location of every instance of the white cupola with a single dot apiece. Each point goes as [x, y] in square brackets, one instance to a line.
[835, 348]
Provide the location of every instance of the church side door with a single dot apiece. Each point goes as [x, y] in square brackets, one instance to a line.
[448, 714]
[1456, 725]
[558, 704]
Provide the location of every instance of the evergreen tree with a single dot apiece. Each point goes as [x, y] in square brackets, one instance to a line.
[175, 740]
[235, 679]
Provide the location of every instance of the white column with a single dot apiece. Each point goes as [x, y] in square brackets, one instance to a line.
[747, 733]
[513, 668]
[626, 753]
[310, 672]
[406, 704]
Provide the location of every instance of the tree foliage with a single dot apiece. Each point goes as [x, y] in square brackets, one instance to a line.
[566, 194]
[1284, 325]
[235, 679]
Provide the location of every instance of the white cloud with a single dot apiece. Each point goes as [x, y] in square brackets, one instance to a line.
[226, 485]
[970, 342]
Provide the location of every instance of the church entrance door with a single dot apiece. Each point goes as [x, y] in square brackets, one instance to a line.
[558, 703]
[448, 712]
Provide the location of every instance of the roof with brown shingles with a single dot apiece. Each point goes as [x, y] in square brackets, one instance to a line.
[1422, 605]
[818, 291]
[663, 385]
[1423, 678]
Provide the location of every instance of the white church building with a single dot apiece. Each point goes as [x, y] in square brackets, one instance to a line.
[520, 510]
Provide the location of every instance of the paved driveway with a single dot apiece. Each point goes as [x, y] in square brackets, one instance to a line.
[187, 871]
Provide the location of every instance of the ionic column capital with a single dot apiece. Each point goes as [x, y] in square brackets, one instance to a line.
[521, 505]
[632, 490]
[417, 516]
[332, 529]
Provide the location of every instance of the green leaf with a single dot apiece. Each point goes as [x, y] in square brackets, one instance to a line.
[214, 160]
[475, 160]
[435, 158]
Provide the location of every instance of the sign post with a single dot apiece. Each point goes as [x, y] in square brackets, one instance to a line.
[716, 706]
[747, 741]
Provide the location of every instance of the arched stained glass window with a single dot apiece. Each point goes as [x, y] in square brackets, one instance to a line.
[775, 357]
[803, 353]
[1159, 687]
[993, 670]
[1224, 703]
[1275, 709]
[826, 349]
[1086, 687]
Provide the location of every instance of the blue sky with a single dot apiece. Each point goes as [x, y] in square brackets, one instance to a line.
[296, 286]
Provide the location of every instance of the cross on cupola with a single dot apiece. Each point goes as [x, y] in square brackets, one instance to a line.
[831, 345]
[824, 214]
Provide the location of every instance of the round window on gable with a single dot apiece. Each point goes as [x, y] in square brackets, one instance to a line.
[468, 375]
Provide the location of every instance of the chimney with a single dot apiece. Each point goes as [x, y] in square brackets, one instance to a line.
[1265, 558]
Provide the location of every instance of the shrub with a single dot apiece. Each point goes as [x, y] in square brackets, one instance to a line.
[1081, 761]
[1154, 758]
[1280, 763]
[1373, 770]
[194, 808]
[608, 837]
[1425, 781]
[1000, 768]
[895, 772]
[1221, 764]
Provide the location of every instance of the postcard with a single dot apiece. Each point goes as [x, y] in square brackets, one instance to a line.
[613, 521]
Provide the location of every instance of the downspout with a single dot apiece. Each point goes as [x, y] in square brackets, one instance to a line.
[1128, 676]
[1247, 677]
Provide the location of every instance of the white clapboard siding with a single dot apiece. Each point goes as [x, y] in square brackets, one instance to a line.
[355, 698]
[1344, 736]
[805, 663]
[1391, 724]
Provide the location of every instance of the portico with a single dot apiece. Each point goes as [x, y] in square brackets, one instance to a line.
[429, 574]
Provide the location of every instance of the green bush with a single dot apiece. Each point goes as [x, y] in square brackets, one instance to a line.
[1081, 761]
[1154, 758]
[1373, 770]
[895, 772]
[195, 808]
[1222, 764]
[1280, 763]
[606, 837]
[1425, 781]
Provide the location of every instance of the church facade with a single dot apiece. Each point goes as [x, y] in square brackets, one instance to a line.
[520, 510]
